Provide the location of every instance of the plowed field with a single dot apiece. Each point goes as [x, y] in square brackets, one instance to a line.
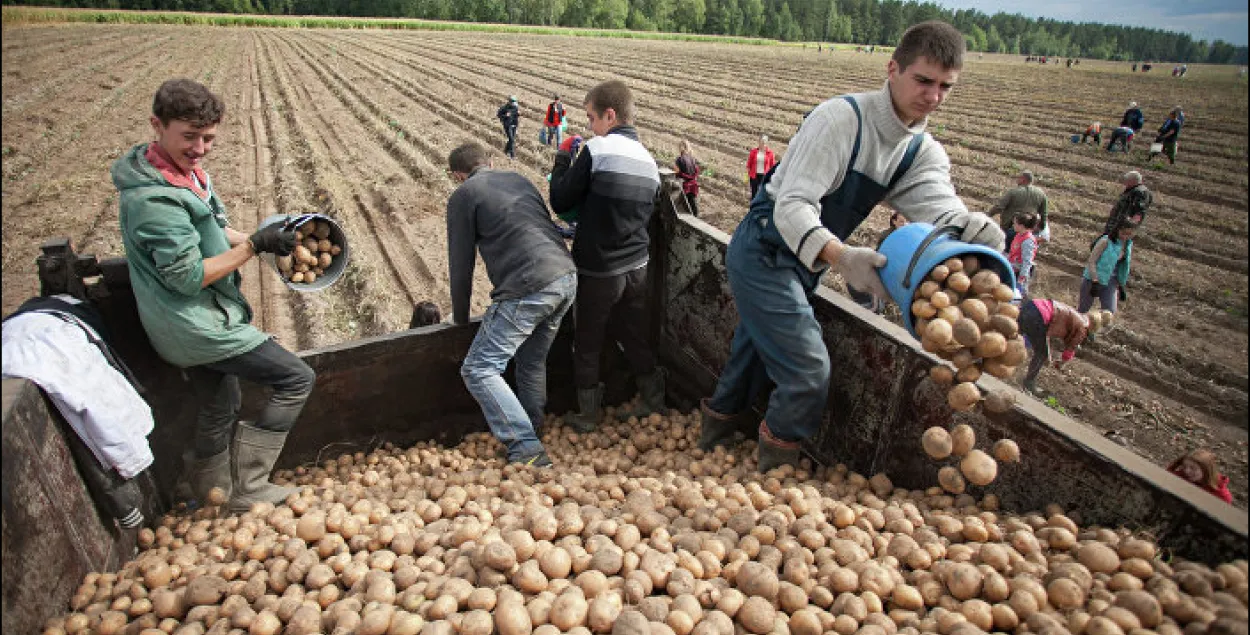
[357, 124]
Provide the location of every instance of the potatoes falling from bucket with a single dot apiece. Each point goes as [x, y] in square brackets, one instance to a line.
[320, 254]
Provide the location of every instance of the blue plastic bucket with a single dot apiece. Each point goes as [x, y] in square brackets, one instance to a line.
[337, 236]
[913, 250]
[1076, 138]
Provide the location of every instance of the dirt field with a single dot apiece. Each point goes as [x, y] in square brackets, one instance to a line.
[357, 124]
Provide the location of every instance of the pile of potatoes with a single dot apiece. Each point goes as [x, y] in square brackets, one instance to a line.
[636, 531]
[975, 466]
[963, 314]
[314, 253]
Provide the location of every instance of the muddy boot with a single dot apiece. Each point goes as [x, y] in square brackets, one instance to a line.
[589, 402]
[209, 473]
[718, 429]
[255, 452]
[651, 396]
[774, 452]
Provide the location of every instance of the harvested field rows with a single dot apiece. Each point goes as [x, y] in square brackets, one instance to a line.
[358, 124]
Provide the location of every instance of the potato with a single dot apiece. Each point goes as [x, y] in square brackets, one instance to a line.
[954, 264]
[984, 281]
[309, 277]
[939, 332]
[950, 314]
[966, 332]
[963, 580]
[939, 273]
[569, 610]
[1014, 354]
[962, 439]
[1004, 293]
[1141, 604]
[951, 480]
[963, 358]
[1098, 558]
[1093, 321]
[941, 375]
[324, 260]
[335, 250]
[323, 246]
[997, 368]
[1108, 318]
[969, 373]
[971, 263]
[920, 325]
[757, 615]
[922, 309]
[1065, 594]
[936, 442]
[1006, 451]
[975, 310]
[204, 590]
[978, 468]
[958, 281]
[997, 402]
[302, 254]
[940, 300]
[1004, 325]
[1010, 310]
[285, 263]
[297, 277]
[927, 289]
[963, 397]
[992, 344]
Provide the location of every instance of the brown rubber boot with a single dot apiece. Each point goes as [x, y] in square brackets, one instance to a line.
[774, 452]
[719, 429]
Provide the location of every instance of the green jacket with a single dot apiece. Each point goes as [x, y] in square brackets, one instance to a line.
[168, 231]
[1018, 200]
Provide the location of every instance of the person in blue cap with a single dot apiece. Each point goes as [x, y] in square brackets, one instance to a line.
[850, 153]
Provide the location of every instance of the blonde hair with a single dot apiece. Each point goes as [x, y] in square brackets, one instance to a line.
[1205, 460]
[685, 147]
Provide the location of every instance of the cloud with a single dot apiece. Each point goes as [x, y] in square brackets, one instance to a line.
[1201, 19]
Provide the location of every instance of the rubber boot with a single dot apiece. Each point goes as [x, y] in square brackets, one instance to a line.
[774, 452]
[718, 429]
[651, 395]
[589, 402]
[255, 452]
[209, 473]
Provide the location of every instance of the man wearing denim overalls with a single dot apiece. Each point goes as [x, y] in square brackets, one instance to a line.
[851, 153]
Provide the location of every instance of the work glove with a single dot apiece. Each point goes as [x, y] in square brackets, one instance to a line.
[273, 239]
[1122, 295]
[563, 160]
[982, 230]
[1095, 288]
[858, 266]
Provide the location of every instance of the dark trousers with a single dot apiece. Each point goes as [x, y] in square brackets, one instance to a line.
[693, 201]
[510, 147]
[1034, 331]
[755, 184]
[216, 388]
[615, 306]
[1097, 137]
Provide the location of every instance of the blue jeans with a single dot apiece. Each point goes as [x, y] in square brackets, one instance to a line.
[777, 337]
[553, 136]
[523, 328]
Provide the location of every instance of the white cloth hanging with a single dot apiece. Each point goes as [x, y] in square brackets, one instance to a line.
[96, 400]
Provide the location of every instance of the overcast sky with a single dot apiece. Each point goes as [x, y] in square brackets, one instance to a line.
[1202, 19]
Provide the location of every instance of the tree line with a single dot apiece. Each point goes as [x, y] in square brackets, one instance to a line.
[865, 22]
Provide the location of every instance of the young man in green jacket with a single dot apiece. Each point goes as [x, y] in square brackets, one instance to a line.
[184, 261]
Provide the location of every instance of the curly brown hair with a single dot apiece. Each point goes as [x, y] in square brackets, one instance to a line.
[189, 101]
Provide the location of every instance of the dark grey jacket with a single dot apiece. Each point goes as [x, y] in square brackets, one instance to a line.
[503, 216]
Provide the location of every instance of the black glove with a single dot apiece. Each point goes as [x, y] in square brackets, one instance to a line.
[1095, 289]
[564, 159]
[273, 239]
[1122, 295]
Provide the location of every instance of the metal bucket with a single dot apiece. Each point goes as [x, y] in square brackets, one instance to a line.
[337, 236]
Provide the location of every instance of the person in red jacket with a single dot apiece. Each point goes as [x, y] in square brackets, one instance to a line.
[1199, 467]
[759, 163]
[552, 121]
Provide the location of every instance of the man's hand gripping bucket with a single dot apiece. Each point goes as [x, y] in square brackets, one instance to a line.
[913, 250]
[337, 266]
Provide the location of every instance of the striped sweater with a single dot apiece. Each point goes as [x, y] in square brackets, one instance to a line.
[612, 183]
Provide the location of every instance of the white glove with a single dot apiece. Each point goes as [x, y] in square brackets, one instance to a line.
[981, 229]
[858, 266]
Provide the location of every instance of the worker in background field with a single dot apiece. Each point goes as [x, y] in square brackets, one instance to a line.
[553, 121]
[1094, 131]
[687, 168]
[850, 153]
[759, 162]
[502, 216]
[509, 116]
[1024, 198]
[1132, 204]
[1107, 270]
[1041, 320]
[184, 259]
[1168, 133]
[1023, 249]
[612, 183]
[1133, 118]
[1199, 467]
